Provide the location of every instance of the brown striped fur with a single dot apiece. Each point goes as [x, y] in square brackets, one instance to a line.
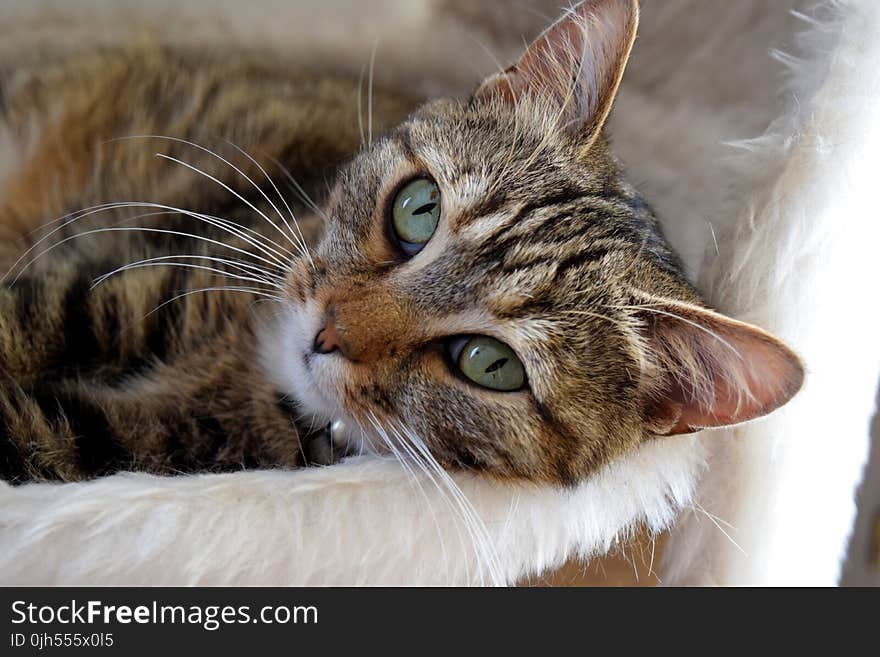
[542, 244]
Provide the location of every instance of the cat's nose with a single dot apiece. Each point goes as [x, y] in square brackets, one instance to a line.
[365, 325]
[328, 339]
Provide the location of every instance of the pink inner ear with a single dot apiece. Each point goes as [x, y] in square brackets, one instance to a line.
[577, 62]
[718, 371]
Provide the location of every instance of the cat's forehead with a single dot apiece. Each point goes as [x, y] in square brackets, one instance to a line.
[471, 146]
[526, 228]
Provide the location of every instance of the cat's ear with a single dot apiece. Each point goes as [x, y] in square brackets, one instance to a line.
[712, 370]
[576, 64]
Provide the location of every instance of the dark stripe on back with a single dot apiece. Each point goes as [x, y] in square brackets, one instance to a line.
[28, 293]
[163, 326]
[81, 346]
[213, 436]
[198, 443]
[12, 464]
[98, 451]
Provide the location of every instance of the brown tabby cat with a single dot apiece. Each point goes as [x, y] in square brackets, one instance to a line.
[489, 291]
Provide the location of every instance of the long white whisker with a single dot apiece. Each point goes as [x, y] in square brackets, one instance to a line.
[359, 103]
[247, 290]
[718, 518]
[240, 265]
[720, 528]
[696, 325]
[302, 238]
[239, 230]
[450, 500]
[383, 434]
[75, 216]
[386, 439]
[651, 564]
[279, 257]
[370, 94]
[253, 207]
[475, 523]
[182, 265]
[314, 207]
[223, 225]
[490, 555]
[224, 185]
[133, 229]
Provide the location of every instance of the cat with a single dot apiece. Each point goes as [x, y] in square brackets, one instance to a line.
[476, 285]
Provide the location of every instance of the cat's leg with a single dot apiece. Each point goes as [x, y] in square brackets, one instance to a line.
[125, 376]
[75, 429]
[51, 338]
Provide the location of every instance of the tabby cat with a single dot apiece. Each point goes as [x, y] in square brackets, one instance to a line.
[489, 292]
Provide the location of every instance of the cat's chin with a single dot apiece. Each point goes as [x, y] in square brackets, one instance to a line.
[286, 355]
[306, 377]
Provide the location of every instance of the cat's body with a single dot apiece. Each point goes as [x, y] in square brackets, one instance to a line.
[542, 247]
[93, 380]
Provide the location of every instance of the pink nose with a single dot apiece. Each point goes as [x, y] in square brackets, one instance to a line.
[328, 339]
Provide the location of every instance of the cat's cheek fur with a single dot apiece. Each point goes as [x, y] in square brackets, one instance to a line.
[284, 353]
[314, 380]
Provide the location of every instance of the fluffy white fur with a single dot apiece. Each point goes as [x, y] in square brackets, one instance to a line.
[796, 272]
[361, 522]
[800, 262]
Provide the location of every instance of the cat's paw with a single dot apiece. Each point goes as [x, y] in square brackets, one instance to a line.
[318, 449]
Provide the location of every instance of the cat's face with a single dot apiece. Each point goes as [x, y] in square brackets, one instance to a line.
[491, 287]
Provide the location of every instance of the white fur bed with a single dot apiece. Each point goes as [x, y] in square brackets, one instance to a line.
[794, 218]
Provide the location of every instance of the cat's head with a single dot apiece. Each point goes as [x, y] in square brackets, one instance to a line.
[489, 284]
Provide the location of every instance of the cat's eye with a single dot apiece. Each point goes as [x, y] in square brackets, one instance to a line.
[415, 214]
[489, 363]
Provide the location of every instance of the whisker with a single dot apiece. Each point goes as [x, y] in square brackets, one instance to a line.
[253, 207]
[267, 246]
[222, 184]
[656, 311]
[474, 524]
[714, 238]
[181, 265]
[651, 572]
[383, 435]
[718, 518]
[241, 265]
[215, 221]
[237, 229]
[302, 238]
[136, 229]
[588, 313]
[715, 522]
[248, 290]
[444, 496]
[78, 214]
[314, 207]
[370, 94]
[359, 102]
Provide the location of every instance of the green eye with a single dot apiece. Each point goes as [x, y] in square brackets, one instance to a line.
[415, 214]
[491, 364]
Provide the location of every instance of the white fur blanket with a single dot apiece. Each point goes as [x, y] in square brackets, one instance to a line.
[794, 220]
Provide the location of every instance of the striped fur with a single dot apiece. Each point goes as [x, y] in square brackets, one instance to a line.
[542, 243]
[119, 376]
